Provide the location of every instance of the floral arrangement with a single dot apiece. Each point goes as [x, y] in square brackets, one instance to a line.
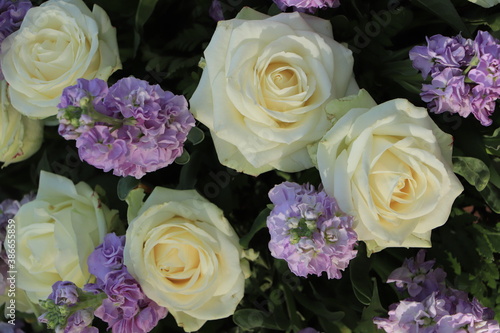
[250, 166]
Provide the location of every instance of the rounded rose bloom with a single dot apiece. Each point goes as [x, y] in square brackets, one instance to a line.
[263, 89]
[57, 43]
[186, 257]
[390, 167]
[56, 232]
[20, 136]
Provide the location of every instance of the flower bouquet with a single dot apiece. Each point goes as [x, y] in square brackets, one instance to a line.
[250, 166]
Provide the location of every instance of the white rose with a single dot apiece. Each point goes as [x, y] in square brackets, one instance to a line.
[264, 86]
[486, 3]
[186, 257]
[57, 43]
[56, 233]
[390, 166]
[20, 136]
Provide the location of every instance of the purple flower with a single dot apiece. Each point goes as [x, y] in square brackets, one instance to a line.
[309, 231]
[308, 330]
[485, 43]
[9, 328]
[418, 277]
[448, 92]
[127, 309]
[107, 257]
[215, 11]
[306, 5]
[64, 292]
[131, 128]
[80, 321]
[441, 52]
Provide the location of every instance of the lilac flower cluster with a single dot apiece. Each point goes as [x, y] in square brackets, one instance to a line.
[126, 309]
[131, 128]
[11, 16]
[67, 310]
[309, 231]
[8, 209]
[309, 6]
[465, 74]
[432, 307]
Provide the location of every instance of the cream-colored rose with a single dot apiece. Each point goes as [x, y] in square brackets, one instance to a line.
[56, 233]
[390, 167]
[264, 86]
[57, 43]
[486, 3]
[186, 257]
[20, 136]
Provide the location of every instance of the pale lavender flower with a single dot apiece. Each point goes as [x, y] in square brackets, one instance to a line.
[441, 52]
[418, 277]
[306, 5]
[132, 128]
[485, 43]
[9, 328]
[309, 231]
[448, 92]
[107, 257]
[80, 322]
[483, 103]
[64, 292]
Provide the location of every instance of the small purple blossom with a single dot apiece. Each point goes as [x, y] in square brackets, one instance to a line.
[64, 292]
[308, 330]
[432, 306]
[418, 277]
[132, 128]
[309, 231]
[80, 322]
[465, 74]
[215, 11]
[306, 5]
[107, 257]
[126, 308]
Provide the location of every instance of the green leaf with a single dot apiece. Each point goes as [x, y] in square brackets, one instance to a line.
[144, 10]
[491, 194]
[474, 170]
[318, 308]
[492, 143]
[374, 309]
[196, 135]
[183, 159]
[359, 273]
[259, 223]
[445, 10]
[125, 185]
[249, 319]
[135, 200]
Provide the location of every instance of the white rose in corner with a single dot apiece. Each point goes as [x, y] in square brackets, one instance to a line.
[20, 136]
[186, 257]
[486, 3]
[56, 232]
[57, 43]
[264, 86]
[390, 166]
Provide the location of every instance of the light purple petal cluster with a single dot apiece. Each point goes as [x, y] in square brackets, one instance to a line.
[432, 306]
[465, 74]
[11, 16]
[306, 5]
[8, 209]
[64, 292]
[126, 309]
[309, 231]
[131, 128]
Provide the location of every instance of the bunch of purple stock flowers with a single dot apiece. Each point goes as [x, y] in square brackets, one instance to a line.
[432, 307]
[131, 128]
[465, 74]
[115, 297]
[309, 231]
